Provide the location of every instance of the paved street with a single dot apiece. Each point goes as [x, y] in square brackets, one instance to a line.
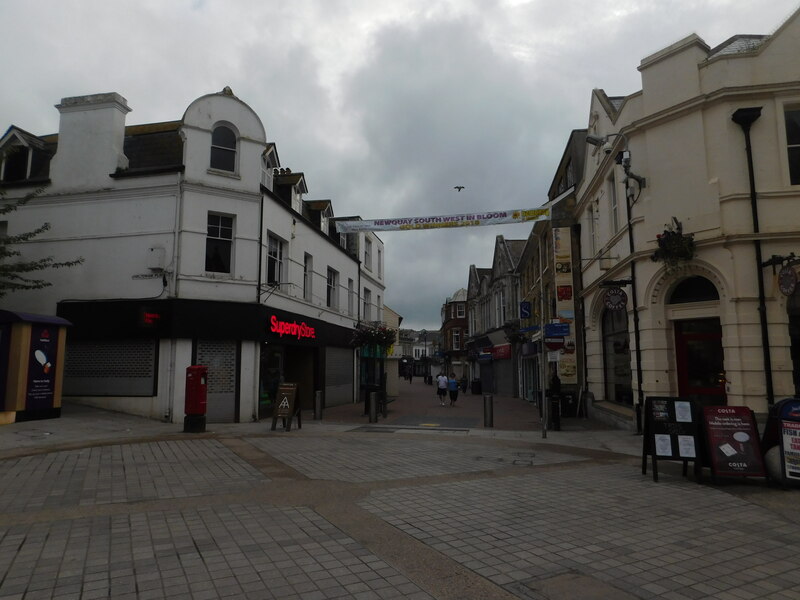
[102, 505]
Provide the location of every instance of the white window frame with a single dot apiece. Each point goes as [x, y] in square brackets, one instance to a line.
[791, 108]
[456, 339]
[351, 298]
[217, 221]
[276, 255]
[367, 254]
[308, 277]
[460, 311]
[332, 289]
[225, 149]
[366, 311]
[613, 203]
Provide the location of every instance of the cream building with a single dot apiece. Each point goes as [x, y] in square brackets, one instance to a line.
[722, 327]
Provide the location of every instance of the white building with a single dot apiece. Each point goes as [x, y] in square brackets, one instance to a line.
[720, 327]
[199, 249]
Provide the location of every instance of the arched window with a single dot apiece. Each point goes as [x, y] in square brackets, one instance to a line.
[223, 149]
[694, 289]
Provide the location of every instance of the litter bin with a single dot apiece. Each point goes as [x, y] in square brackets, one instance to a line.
[569, 405]
[475, 386]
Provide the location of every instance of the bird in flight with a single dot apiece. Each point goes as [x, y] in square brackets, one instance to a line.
[458, 187]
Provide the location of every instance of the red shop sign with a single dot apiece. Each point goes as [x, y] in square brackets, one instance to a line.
[503, 351]
[295, 329]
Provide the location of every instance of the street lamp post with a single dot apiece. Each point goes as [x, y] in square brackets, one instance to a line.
[607, 147]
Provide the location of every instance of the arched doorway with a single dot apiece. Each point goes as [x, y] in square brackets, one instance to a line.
[698, 346]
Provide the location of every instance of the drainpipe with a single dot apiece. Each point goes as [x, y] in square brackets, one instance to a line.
[744, 118]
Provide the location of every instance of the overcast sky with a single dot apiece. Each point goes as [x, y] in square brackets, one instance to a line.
[384, 105]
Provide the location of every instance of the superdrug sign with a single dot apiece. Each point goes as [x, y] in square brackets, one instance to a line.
[294, 329]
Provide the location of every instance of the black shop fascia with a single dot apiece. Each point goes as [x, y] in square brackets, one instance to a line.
[175, 318]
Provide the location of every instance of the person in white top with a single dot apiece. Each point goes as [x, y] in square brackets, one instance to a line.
[441, 390]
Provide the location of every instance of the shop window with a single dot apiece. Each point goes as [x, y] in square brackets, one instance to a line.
[332, 296]
[223, 149]
[694, 289]
[275, 260]
[793, 144]
[617, 357]
[219, 243]
[793, 308]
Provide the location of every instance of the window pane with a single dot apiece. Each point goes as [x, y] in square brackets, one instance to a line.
[794, 165]
[793, 127]
[223, 159]
[223, 137]
[218, 255]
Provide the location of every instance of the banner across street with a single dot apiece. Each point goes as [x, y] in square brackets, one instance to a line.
[498, 217]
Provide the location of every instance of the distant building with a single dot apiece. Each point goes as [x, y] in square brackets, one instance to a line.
[454, 334]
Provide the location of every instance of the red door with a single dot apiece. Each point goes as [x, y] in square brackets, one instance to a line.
[701, 371]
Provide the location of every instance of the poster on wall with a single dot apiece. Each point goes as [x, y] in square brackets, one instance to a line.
[565, 301]
[41, 382]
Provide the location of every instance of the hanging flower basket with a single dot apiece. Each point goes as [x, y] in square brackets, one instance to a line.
[674, 247]
[382, 337]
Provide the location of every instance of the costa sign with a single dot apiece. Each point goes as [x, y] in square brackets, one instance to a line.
[294, 329]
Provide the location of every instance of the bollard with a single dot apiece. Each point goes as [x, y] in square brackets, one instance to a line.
[373, 407]
[488, 417]
[318, 405]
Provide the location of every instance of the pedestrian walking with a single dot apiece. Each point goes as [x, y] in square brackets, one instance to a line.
[441, 387]
[452, 387]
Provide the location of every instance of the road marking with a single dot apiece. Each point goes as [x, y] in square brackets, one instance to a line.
[429, 424]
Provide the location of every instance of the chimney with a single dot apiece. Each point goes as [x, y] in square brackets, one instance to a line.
[91, 134]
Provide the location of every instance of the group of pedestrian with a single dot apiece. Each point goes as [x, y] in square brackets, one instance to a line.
[445, 385]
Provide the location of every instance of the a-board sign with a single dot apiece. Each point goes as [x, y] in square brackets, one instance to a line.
[732, 437]
[671, 432]
[790, 450]
[284, 403]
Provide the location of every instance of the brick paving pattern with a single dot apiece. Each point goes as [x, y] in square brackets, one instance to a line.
[237, 551]
[122, 473]
[672, 540]
[357, 459]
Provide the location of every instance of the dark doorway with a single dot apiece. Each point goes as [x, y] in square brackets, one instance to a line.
[701, 370]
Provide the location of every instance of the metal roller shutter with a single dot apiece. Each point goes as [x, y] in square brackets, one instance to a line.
[338, 376]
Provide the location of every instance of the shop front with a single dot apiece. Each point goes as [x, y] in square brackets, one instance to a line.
[131, 356]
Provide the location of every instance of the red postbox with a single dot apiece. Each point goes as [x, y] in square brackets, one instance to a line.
[195, 399]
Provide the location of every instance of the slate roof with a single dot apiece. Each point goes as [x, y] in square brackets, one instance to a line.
[738, 44]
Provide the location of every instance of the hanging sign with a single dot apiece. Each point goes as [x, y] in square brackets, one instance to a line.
[787, 280]
[498, 217]
[615, 299]
[733, 441]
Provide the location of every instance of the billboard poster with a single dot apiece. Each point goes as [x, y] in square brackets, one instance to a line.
[42, 360]
[733, 443]
[565, 302]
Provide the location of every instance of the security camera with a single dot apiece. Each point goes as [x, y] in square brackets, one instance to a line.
[607, 148]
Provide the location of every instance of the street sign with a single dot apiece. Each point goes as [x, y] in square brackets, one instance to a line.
[556, 343]
[556, 330]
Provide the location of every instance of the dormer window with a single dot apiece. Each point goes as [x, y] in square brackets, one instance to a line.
[223, 149]
[15, 165]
